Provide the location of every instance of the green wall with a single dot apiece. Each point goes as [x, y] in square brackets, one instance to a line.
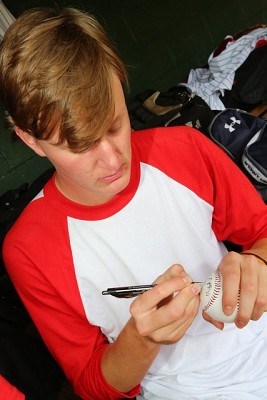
[160, 41]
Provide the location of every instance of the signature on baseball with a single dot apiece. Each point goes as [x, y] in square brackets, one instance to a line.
[211, 299]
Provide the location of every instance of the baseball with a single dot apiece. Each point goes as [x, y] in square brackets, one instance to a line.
[211, 299]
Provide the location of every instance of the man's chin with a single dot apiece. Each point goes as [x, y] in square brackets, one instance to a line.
[119, 185]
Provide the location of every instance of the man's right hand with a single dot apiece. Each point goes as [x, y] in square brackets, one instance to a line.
[164, 313]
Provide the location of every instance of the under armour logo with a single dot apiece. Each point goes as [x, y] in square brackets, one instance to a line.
[231, 125]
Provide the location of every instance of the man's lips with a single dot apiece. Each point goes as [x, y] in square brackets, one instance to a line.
[114, 176]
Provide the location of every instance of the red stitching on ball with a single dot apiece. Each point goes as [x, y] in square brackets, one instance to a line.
[216, 290]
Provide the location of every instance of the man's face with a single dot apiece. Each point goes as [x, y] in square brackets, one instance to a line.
[99, 173]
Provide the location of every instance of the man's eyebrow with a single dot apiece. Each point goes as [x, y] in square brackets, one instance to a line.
[116, 119]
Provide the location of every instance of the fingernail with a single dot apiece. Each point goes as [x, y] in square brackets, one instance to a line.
[218, 325]
[228, 310]
[241, 324]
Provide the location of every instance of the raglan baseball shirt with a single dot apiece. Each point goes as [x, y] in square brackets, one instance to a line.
[184, 198]
[9, 392]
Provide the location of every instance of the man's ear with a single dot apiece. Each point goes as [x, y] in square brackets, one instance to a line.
[29, 140]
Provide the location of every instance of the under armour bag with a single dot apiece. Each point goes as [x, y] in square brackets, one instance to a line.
[176, 106]
[243, 137]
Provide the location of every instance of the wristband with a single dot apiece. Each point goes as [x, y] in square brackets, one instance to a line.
[261, 260]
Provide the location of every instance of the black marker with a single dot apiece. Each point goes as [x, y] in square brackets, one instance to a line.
[125, 292]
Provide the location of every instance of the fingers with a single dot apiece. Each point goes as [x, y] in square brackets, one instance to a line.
[248, 291]
[177, 309]
[217, 324]
[173, 280]
[165, 312]
[231, 275]
[245, 282]
[171, 333]
[261, 300]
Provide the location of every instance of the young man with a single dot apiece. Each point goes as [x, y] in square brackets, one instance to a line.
[128, 209]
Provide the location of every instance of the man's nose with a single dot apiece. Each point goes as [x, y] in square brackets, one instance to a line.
[109, 153]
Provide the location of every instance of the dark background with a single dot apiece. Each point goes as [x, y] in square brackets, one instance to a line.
[159, 41]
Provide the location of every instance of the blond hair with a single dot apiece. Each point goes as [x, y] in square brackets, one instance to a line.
[56, 73]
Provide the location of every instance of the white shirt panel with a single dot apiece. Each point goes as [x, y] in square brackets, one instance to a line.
[104, 256]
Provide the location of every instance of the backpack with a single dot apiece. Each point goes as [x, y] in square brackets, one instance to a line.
[249, 88]
[176, 106]
[243, 137]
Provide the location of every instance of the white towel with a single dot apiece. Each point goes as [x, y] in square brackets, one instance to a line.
[209, 83]
[6, 19]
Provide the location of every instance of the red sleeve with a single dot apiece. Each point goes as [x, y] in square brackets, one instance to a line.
[192, 159]
[9, 392]
[49, 292]
[240, 214]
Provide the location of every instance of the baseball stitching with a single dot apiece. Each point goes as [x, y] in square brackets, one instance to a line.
[215, 292]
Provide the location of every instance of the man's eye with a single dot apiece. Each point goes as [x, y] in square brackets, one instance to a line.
[113, 131]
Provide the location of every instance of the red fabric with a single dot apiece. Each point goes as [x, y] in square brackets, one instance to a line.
[45, 278]
[9, 392]
[206, 170]
[221, 47]
[261, 42]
